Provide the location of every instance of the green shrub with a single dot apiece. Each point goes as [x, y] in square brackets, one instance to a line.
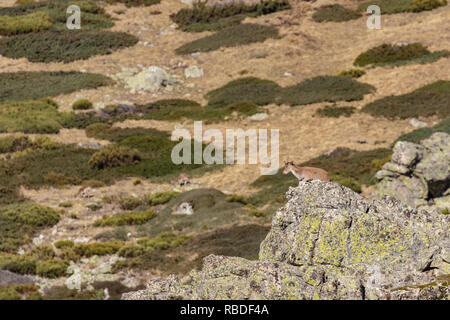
[423, 5]
[65, 45]
[9, 195]
[82, 104]
[59, 179]
[42, 252]
[20, 86]
[34, 116]
[352, 73]
[335, 13]
[236, 198]
[163, 197]
[52, 268]
[19, 264]
[246, 108]
[131, 251]
[396, 55]
[62, 244]
[201, 17]
[398, 6]
[32, 22]
[419, 134]
[14, 144]
[97, 248]
[135, 3]
[163, 241]
[94, 16]
[30, 214]
[253, 90]
[252, 211]
[19, 292]
[126, 218]
[104, 131]
[114, 156]
[335, 112]
[93, 183]
[426, 101]
[233, 36]
[325, 88]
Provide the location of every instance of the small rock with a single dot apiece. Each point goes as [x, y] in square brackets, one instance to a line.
[193, 72]
[417, 123]
[288, 74]
[184, 208]
[259, 116]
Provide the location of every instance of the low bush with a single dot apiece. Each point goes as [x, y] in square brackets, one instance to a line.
[114, 156]
[52, 268]
[34, 116]
[163, 241]
[59, 179]
[82, 104]
[19, 264]
[62, 244]
[430, 100]
[202, 17]
[325, 88]
[126, 218]
[253, 90]
[234, 36]
[135, 3]
[64, 45]
[398, 6]
[20, 292]
[20, 86]
[163, 197]
[335, 112]
[97, 248]
[32, 22]
[396, 55]
[104, 131]
[236, 198]
[131, 251]
[15, 144]
[254, 212]
[334, 13]
[352, 73]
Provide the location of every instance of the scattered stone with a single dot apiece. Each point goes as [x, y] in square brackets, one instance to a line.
[193, 72]
[259, 116]
[288, 74]
[185, 208]
[151, 79]
[90, 145]
[417, 123]
[94, 206]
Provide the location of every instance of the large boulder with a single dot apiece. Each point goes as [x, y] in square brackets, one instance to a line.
[418, 174]
[328, 242]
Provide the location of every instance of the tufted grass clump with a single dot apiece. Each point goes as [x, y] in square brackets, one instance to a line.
[126, 218]
[64, 45]
[29, 264]
[236, 198]
[82, 104]
[397, 55]
[334, 13]
[352, 73]
[335, 112]
[32, 22]
[399, 6]
[114, 156]
[21, 86]
[202, 17]
[430, 100]
[97, 248]
[54, 268]
[233, 36]
[324, 88]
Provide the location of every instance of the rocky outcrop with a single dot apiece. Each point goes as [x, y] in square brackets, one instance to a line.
[328, 242]
[418, 174]
[150, 79]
